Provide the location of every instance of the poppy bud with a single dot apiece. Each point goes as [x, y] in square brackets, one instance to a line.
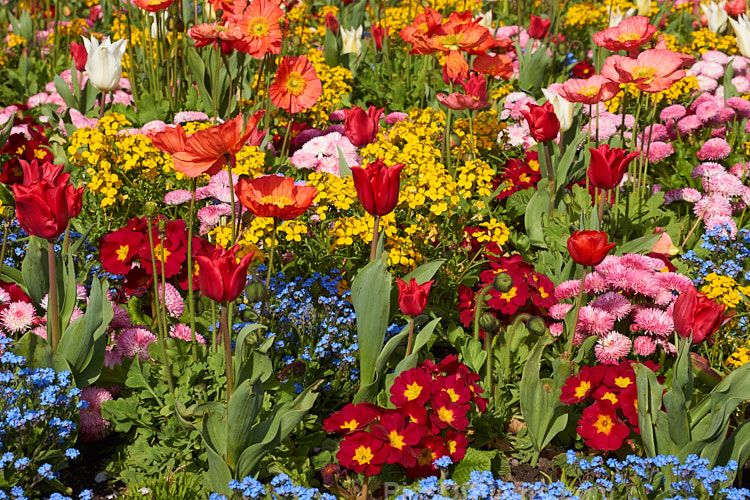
[503, 282]
[536, 326]
[248, 315]
[255, 291]
[198, 306]
[489, 323]
[149, 208]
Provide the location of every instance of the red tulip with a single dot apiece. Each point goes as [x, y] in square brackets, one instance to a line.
[79, 54]
[377, 186]
[412, 297]
[608, 166]
[475, 97]
[539, 28]
[695, 313]
[361, 127]
[47, 171]
[332, 23]
[543, 123]
[43, 209]
[220, 277]
[378, 34]
[589, 248]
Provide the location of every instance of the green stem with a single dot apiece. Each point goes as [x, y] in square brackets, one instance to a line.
[230, 180]
[471, 135]
[410, 342]
[157, 307]
[270, 264]
[569, 350]
[6, 226]
[53, 312]
[224, 327]
[191, 295]
[374, 243]
[478, 305]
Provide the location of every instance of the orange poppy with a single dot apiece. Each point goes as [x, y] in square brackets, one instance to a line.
[425, 25]
[170, 140]
[205, 151]
[260, 30]
[460, 35]
[297, 86]
[275, 196]
[153, 5]
[205, 34]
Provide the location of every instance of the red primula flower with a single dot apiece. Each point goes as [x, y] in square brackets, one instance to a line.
[351, 418]
[629, 406]
[466, 304]
[600, 427]
[445, 413]
[604, 393]
[416, 412]
[456, 443]
[400, 438]
[411, 385]
[453, 386]
[511, 301]
[431, 448]
[119, 249]
[542, 290]
[362, 453]
[578, 388]
[620, 377]
[172, 251]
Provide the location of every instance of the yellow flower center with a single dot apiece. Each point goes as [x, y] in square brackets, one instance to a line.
[589, 91]
[646, 72]
[122, 252]
[363, 455]
[445, 414]
[509, 294]
[604, 424]
[413, 391]
[611, 397]
[295, 83]
[39, 154]
[161, 253]
[628, 37]
[350, 424]
[582, 389]
[258, 27]
[452, 41]
[396, 440]
[452, 447]
[454, 397]
[623, 382]
[279, 201]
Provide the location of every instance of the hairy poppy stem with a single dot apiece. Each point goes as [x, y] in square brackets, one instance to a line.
[191, 299]
[374, 244]
[478, 306]
[53, 323]
[270, 264]
[569, 350]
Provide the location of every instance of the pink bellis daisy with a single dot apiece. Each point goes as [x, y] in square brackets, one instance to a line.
[17, 317]
[135, 341]
[612, 347]
[714, 149]
[644, 346]
[93, 425]
[180, 331]
[172, 300]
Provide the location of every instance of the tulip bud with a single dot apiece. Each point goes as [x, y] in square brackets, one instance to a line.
[255, 291]
[503, 282]
[104, 63]
[536, 325]
[352, 40]
[489, 323]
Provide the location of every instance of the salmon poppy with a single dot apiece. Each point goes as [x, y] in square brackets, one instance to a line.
[590, 90]
[297, 86]
[207, 33]
[630, 34]
[170, 140]
[652, 71]
[259, 29]
[205, 151]
[461, 36]
[153, 5]
[275, 196]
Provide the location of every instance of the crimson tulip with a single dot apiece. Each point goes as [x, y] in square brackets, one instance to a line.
[79, 54]
[474, 99]
[377, 186]
[695, 313]
[543, 123]
[220, 277]
[539, 28]
[43, 209]
[33, 172]
[332, 23]
[360, 126]
[412, 297]
[589, 248]
[378, 34]
[608, 166]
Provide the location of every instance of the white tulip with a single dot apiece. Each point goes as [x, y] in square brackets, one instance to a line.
[486, 20]
[104, 64]
[716, 15]
[644, 7]
[352, 40]
[742, 31]
[563, 109]
[616, 16]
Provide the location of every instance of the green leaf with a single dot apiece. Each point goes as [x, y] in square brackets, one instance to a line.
[331, 51]
[474, 355]
[344, 169]
[638, 245]
[244, 407]
[420, 340]
[369, 391]
[371, 291]
[64, 90]
[425, 272]
[35, 349]
[35, 269]
[537, 208]
[480, 460]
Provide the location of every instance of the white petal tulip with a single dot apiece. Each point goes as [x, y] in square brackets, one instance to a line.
[104, 64]
[643, 7]
[486, 20]
[352, 40]
[616, 15]
[563, 109]
[716, 15]
[742, 31]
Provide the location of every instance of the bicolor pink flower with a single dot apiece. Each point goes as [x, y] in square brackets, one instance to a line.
[724, 183]
[338, 115]
[740, 169]
[595, 283]
[595, 321]
[182, 332]
[641, 262]
[612, 347]
[135, 341]
[559, 310]
[614, 303]
[121, 317]
[707, 169]
[659, 150]
[322, 154]
[691, 195]
[721, 224]
[673, 112]
[567, 289]
[688, 125]
[714, 149]
[189, 116]
[715, 56]
[713, 206]
[654, 322]
[4, 297]
[18, 316]
[93, 425]
[178, 197]
[644, 346]
[556, 329]
[112, 358]
[172, 300]
[708, 110]
[210, 216]
[742, 84]
[740, 106]
[395, 117]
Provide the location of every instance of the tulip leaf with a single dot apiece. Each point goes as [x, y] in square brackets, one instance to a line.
[7, 127]
[344, 169]
[35, 269]
[64, 90]
[638, 245]
[420, 340]
[425, 272]
[35, 349]
[198, 69]
[331, 49]
[368, 392]
[537, 207]
[244, 407]
[729, 89]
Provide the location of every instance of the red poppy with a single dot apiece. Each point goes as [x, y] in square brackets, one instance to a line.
[600, 427]
[44, 208]
[412, 297]
[695, 313]
[171, 140]
[153, 5]
[206, 151]
[377, 186]
[499, 65]
[351, 418]
[400, 438]
[445, 413]
[297, 86]
[411, 385]
[208, 33]
[221, 278]
[360, 126]
[426, 24]
[589, 248]
[608, 166]
[459, 36]
[275, 196]
[578, 388]
[475, 97]
[259, 29]
[119, 249]
[79, 55]
[539, 28]
[362, 453]
[543, 122]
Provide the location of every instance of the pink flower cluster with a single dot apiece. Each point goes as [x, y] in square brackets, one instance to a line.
[631, 309]
[710, 69]
[321, 153]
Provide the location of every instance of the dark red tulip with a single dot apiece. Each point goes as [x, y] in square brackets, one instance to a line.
[79, 54]
[378, 34]
[33, 172]
[543, 123]
[360, 126]
[539, 28]
[589, 248]
[43, 209]
[332, 23]
[220, 277]
[377, 186]
[475, 97]
[412, 297]
[608, 166]
[695, 313]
